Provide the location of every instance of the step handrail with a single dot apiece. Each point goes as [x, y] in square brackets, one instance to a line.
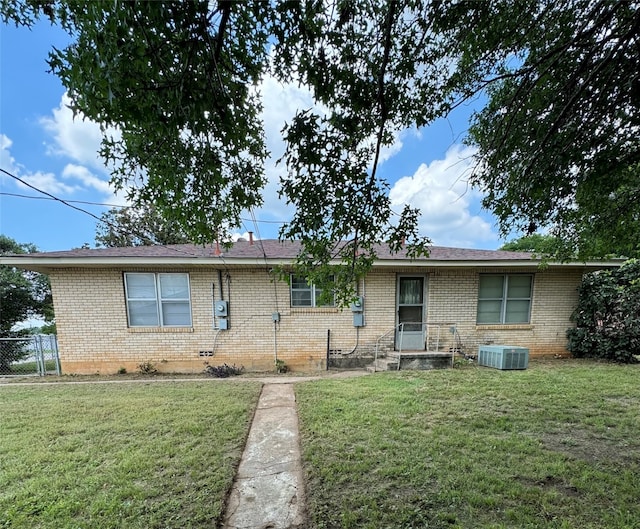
[375, 356]
[425, 325]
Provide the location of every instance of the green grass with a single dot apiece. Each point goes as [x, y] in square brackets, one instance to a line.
[31, 368]
[120, 455]
[555, 446]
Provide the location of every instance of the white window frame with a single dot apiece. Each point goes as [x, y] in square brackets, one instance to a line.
[314, 294]
[505, 299]
[158, 299]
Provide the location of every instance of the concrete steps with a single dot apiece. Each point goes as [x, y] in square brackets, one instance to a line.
[412, 360]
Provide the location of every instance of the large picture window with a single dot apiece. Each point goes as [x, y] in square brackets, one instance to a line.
[158, 300]
[504, 299]
[305, 295]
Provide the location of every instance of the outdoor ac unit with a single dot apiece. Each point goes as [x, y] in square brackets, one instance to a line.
[503, 356]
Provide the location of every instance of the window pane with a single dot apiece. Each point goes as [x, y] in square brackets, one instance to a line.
[301, 298]
[411, 317]
[330, 302]
[519, 287]
[517, 311]
[410, 291]
[141, 286]
[299, 282]
[143, 314]
[491, 287]
[489, 311]
[176, 313]
[174, 286]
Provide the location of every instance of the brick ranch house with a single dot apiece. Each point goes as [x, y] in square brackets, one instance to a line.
[181, 306]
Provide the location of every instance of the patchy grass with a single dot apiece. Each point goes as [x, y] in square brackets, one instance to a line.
[120, 455]
[555, 446]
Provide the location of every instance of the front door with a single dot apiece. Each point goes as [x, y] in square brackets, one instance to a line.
[410, 332]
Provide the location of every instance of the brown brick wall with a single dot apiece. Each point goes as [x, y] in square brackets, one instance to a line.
[94, 336]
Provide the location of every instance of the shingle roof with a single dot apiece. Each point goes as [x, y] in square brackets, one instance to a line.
[271, 249]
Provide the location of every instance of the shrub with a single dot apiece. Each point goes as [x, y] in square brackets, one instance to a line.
[281, 367]
[223, 371]
[147, 368]
[608, 315]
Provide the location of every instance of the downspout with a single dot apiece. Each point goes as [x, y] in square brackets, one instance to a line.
[220, 282]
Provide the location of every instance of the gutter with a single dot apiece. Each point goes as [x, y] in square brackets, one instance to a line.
[40, 264]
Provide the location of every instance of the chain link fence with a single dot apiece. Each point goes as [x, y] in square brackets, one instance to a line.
[32, 355]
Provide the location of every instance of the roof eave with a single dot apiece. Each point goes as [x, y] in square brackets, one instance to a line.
[46, 264]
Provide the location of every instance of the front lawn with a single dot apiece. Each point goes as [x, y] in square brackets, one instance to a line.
[156, 455]
[555, 446]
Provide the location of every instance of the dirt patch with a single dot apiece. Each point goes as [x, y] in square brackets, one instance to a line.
[591, 447]
[550, 482]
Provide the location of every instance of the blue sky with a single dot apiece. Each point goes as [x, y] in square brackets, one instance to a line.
[42, 144]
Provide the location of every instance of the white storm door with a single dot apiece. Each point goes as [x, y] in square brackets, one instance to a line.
[410, 298]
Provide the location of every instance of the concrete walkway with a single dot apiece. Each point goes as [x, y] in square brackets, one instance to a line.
[268, 492]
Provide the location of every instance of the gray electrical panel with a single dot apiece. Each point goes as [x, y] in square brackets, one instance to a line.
[221, 311]
[357, 307]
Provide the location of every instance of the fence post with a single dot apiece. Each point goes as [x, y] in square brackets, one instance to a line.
[40, 363]
[53, 340]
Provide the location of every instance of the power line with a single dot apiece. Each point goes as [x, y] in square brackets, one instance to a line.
[52, 197]
[105, 204]
[3, 193]
[118, 229]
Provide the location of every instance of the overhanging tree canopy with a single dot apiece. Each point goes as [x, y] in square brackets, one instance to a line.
[180, 80]
[137, 227]
[23, 294]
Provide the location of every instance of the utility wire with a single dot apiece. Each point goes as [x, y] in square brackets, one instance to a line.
[52, 197]
[115, 227]
[3, 193]
[121, 206]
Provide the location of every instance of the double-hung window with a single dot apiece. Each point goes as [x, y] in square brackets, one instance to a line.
[305, 295]
[504, 298]
[158, 300]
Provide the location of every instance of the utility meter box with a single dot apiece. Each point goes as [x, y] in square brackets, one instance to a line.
[221, 308]
[358, 305]
[223, 324]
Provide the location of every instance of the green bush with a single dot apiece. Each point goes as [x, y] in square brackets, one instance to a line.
[223, 371]
[608, 315]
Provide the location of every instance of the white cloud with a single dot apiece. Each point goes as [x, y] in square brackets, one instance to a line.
[78, 139]
[44, 181]
[49, 183]
[7, 162]
[74, 137]
[88, 179]
[280, 104]
[441, 191]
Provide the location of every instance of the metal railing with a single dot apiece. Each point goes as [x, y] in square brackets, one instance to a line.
[35, 355]
[425, 328]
